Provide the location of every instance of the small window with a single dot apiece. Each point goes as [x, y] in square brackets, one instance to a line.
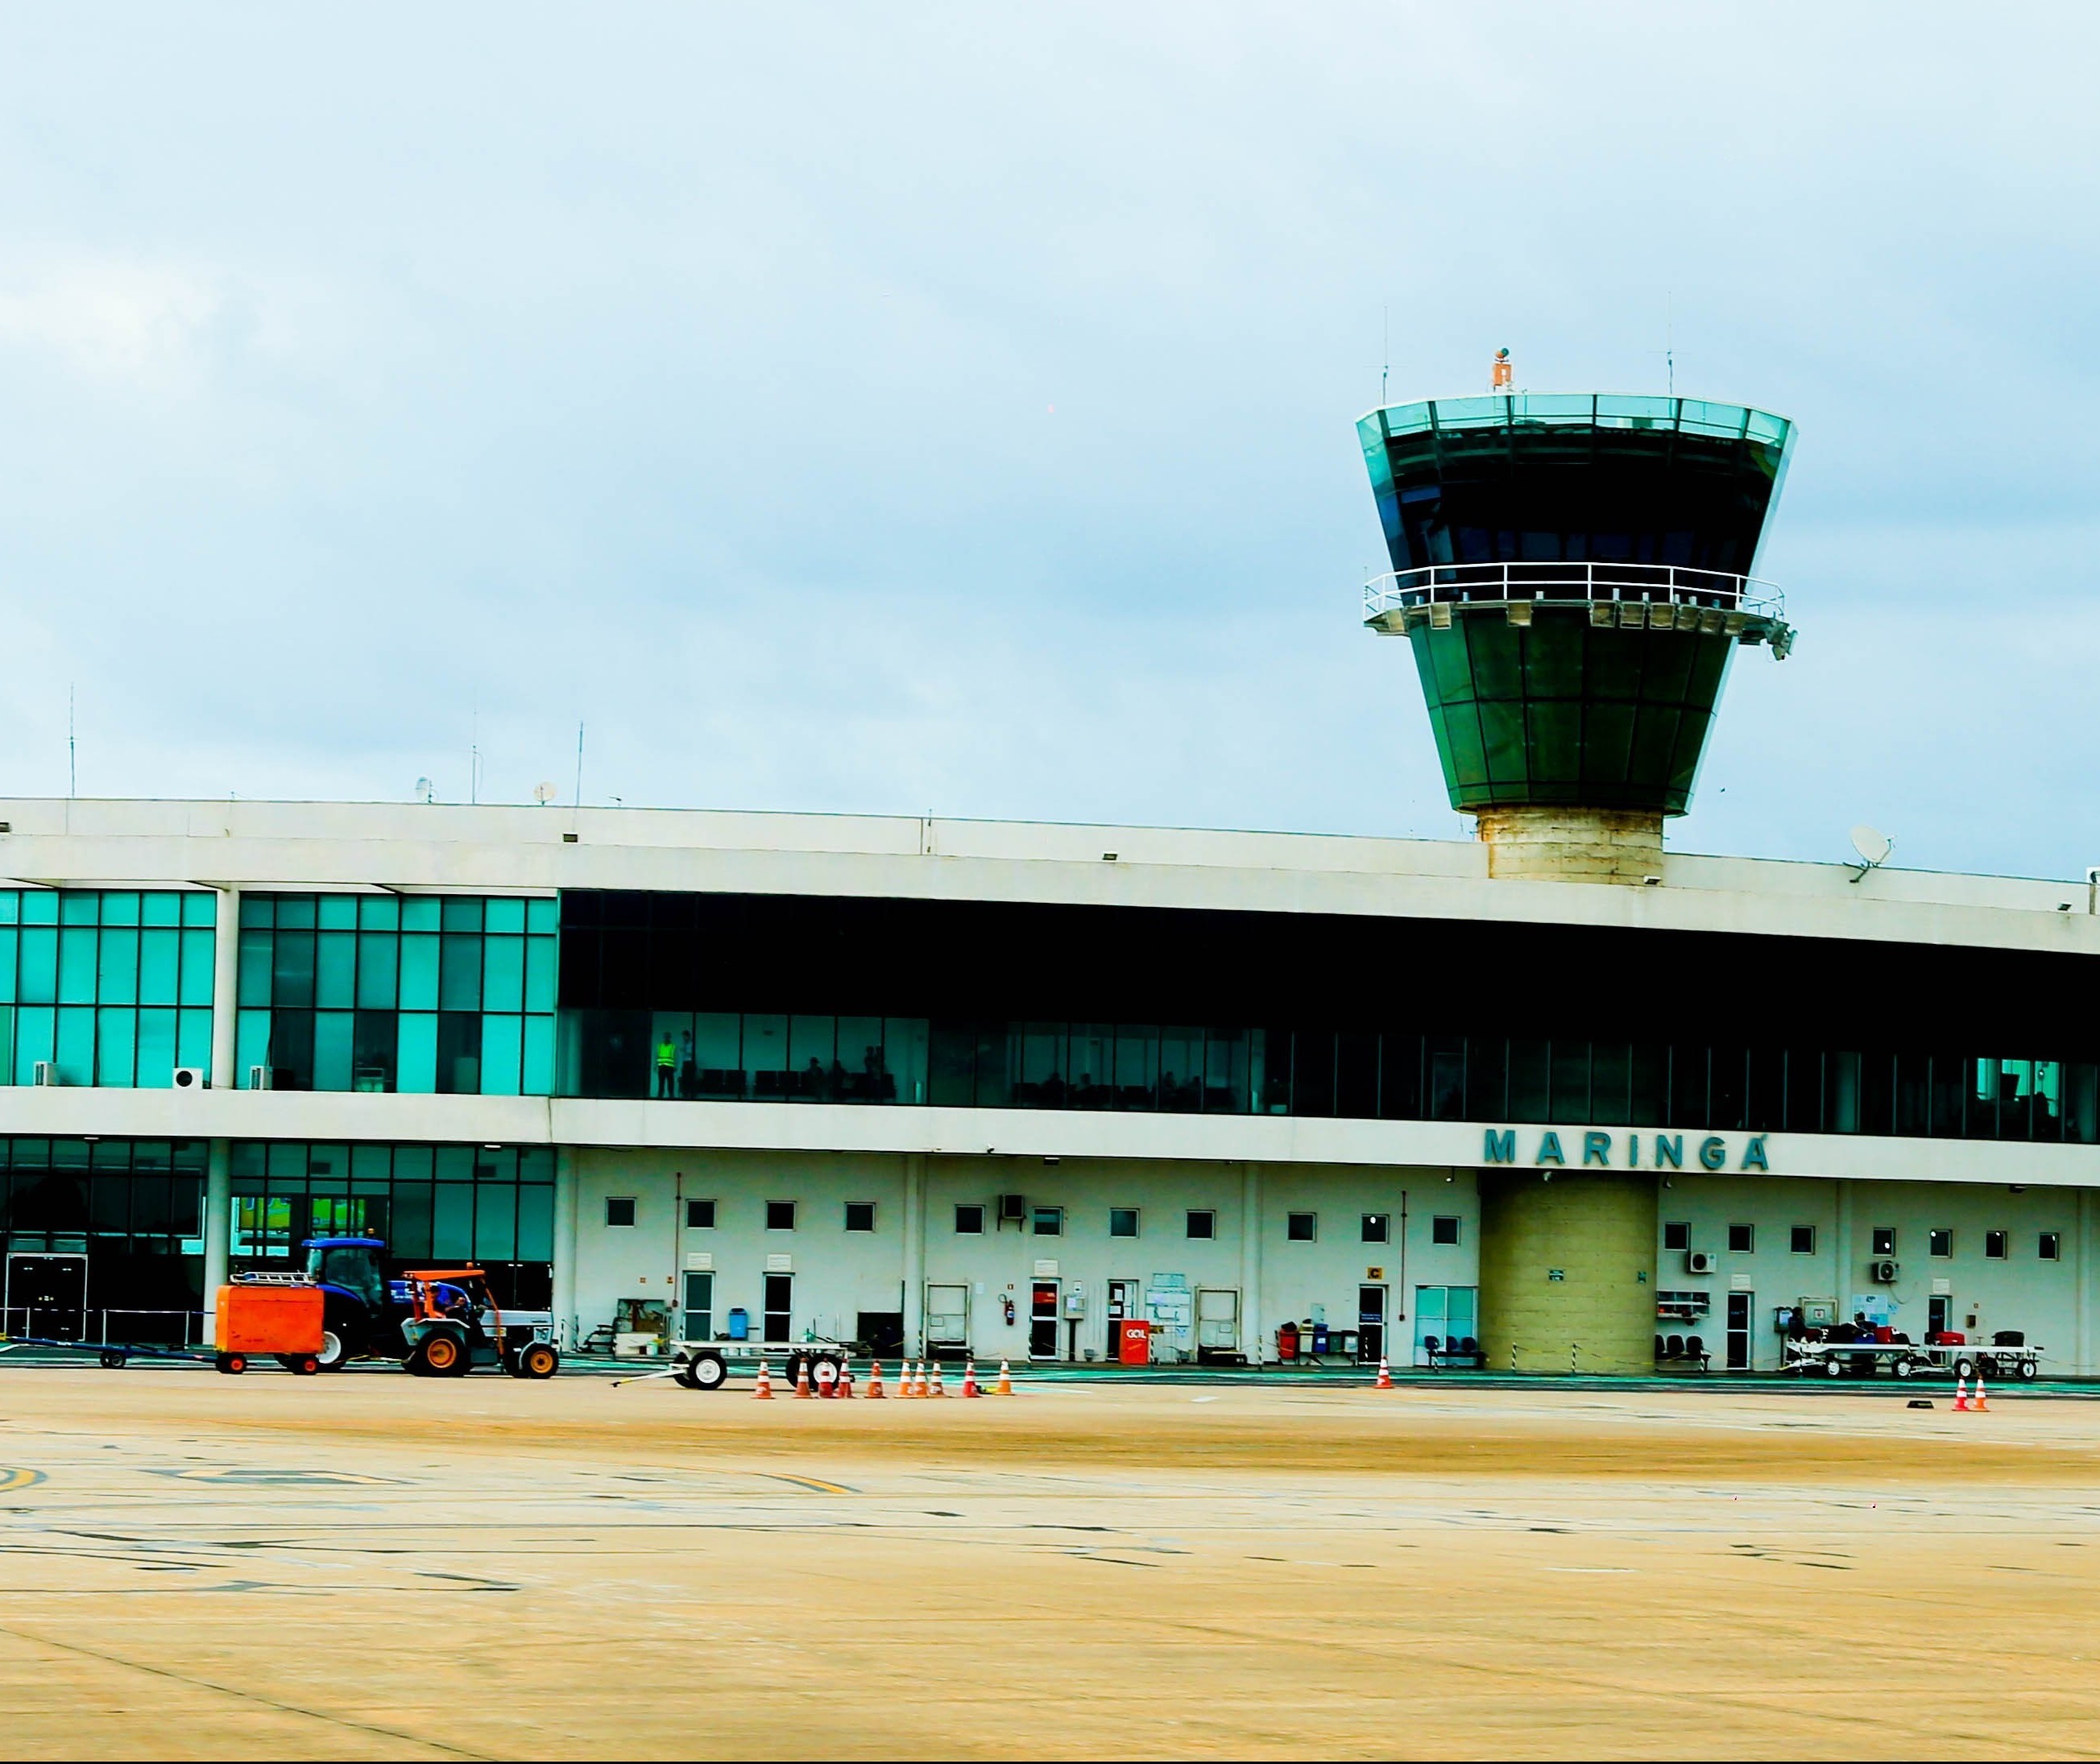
[1048, 1221]
[2050, 1246]
[1123, 1222]
[1742, 1239]
[1677, 1234]
[1801, 1240]
[620, 1209]
[1299, 1228]
[1884, 1240]
[1444, 1228]
[1203, 1224]
[1994, 1245]
[1940, 1242]
[779, 1215]
[969, 1221]
[1378, 1228]
[860, 1215]
[699, 1215]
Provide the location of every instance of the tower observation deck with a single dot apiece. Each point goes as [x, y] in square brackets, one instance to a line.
[1574, 573]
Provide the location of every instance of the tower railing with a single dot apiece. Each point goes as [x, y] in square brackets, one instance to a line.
[1662, 584]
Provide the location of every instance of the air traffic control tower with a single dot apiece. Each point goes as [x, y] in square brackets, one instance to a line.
[1574, 573]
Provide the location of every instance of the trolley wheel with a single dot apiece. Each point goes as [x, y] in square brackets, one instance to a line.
[231, 1362]
[1903, 1369]
[709, 1371]
[1965, 1368]
[2026, 1371]
[113, 1359]
[444, 1355]
[539, 1361]
[303, 1366]
[334, 1352]
[1833, 1365]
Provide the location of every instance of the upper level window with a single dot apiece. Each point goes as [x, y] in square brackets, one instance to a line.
[1801, 1240]
[700, 1216]
[779, 1215]
[1378, 1228]
[1123, 1222]
[1677, 1234]
[620, 1209]
[1302, 1227]
[969, 1220]
[1203, 1223]
[1884, 1240]
[1047, 1221]
[1940, 1242]
[2050, 1246]
[1444, 1228]
[1742, 1239]
[860, 1215]
[1994, 1245]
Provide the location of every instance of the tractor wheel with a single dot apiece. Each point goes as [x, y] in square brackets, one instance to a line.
[444, 1354]
[412, 1364]
[335, 1352]
[539, 1361]
[709, 1372]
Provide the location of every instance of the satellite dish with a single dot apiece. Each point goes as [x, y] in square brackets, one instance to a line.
[1873, 847]
[543, 794]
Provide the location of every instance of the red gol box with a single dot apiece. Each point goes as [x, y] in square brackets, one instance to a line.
[267, 1319]
[1134, 1345]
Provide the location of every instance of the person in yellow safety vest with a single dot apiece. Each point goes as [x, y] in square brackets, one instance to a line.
[666, 1065]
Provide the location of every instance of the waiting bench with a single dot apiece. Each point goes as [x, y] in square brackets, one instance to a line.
[1683, 1350]
[1453, 1351]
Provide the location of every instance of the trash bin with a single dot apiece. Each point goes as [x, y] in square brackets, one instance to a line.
[1133, 1341]
[739, 1324]
[1287, 1343]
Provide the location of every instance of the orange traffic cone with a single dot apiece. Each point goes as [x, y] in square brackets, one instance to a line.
[1982, 1402]
[970, 1378]
[1005, 1385]
[827, 1378]
[904, 1385]
[802, 1377]
[844, 1386]
[1961, 1392]
[875, 1378]
[1385, 1375]
[764, 1393]
[935, 1390]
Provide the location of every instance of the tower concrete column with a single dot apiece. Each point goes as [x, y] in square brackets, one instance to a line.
[914, 1254]
[565, 1332]
[1567, 1272]
[2082, 1270]
[1252, 1337]
[218, 1169]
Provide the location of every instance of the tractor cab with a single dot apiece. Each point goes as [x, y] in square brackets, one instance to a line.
[359, 1305]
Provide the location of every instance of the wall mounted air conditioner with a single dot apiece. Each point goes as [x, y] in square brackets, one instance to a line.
[1699, 1262]
[45, 1071]
[1012, 1208]
[1882, 1273]
[189, 1078]
[259, 1078]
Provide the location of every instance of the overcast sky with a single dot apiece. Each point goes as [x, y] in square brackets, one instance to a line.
[914, 408]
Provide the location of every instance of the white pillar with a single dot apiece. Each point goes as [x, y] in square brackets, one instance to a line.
[1253, 1340]
[1844, 1246]
[566, 1332]
[2081, 1269]
[225, 1004]
[915, 1255]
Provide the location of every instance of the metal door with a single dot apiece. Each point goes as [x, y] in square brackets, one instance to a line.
[947, 1317]
[48, 1294]
[1042, 1321]
[779, 1314]
[1217, 1320]
[1935, 1315]
[698, 1323]
[1371, 1322]
[1741, 1307]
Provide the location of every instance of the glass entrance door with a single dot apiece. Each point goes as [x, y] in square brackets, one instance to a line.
[1450, 1314]
[1371, 1322]
[779, 1309]
[699, 1324]
[1742, 1306]
[1042, 1321]
[47, 1295]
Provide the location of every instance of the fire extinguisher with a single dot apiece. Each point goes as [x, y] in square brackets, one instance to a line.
[1008, 1302]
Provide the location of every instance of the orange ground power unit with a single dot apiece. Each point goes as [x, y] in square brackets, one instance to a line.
[267, 1319]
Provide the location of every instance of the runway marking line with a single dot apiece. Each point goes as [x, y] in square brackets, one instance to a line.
[815, 1485]
[12, 1479]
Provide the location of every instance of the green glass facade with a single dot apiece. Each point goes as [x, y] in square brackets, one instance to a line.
[133, 1209]
[110, 986]
[450, 994]
[1562, 711]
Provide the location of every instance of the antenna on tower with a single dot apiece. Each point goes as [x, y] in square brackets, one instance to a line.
[1669, 340]
[1385, 357]
[73, 750]
[579, 763]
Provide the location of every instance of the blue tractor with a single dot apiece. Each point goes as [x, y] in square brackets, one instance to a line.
[364, 1315]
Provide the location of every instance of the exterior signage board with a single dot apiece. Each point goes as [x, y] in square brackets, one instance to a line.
[1554, 1148]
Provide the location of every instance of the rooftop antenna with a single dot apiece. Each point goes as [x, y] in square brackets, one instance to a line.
[1669, 339]
[1873, 847]
[1385, 358]
[580, 763]
[73, 750]
[474, 754]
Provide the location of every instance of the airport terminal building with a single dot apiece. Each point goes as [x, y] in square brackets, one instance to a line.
[948, 1085]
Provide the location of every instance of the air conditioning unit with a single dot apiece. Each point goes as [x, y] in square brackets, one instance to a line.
[45, 1071]
[261, 1077]
[1012, 1208]
[189, 1078]
[1699, 1262]
[1882, 1273]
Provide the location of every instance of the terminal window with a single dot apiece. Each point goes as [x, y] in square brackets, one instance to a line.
[1444, 1228]
[2050, 1246]
[1742, 1239]
[1302, 1227]
[1048, 1221]
[1940, 1242]
[1203, 1224]
[700, 1216]
[969, 1221]
[1677, 1234]
[860, 1215]
[1994, 1245]
[779, 1215]
[1378, 1228]
[620, 1210]
[1884, 1240]
[1804, 1240]
[1123, 1222]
